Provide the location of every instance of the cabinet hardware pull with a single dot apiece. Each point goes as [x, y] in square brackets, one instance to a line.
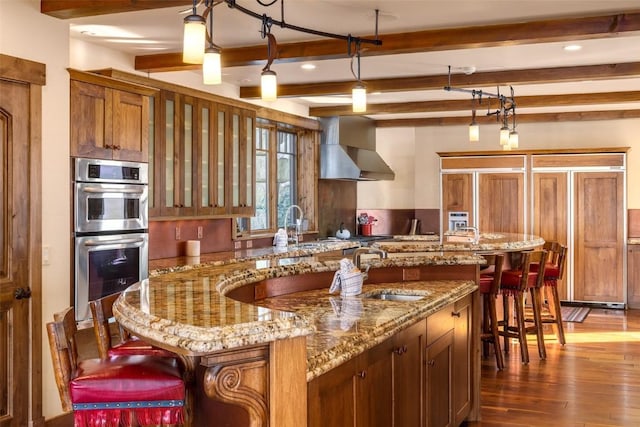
[431, 362]
[116, 147]
[398, 351]
[404, 348]
[455, 313]
[22, 293]
[362, 374]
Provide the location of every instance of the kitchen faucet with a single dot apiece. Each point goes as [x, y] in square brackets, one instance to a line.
[358, 252]
[476, 233]
[296, 235]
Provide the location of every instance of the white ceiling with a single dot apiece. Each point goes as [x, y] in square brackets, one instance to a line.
[160, 30]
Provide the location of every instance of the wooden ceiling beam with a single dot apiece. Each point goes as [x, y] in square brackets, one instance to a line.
[522, 118]
[544, 31]
[66, 9]
[487, 104]
[494, 78]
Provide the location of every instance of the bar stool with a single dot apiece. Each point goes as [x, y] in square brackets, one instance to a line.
[128, 345]
[514, 286]
[117, 391]
[489, 287]
[553, 271]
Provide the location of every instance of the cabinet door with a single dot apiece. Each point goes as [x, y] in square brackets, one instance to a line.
[461, 384]
[457, 195]
[501, 202]
[408, 375]
[211, 151]
[550, 211]
[242, 152]
[633, 276]
[130, 126]
[91, 130]
[599, 238]
[373, 381]
[331, 397]
[439, 356]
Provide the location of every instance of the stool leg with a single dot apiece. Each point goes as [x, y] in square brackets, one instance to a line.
[554, 307]
[536, 302]
[493, 317]
[505, 321]
[522, 331]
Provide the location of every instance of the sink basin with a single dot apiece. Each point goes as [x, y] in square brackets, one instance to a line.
[395, 297]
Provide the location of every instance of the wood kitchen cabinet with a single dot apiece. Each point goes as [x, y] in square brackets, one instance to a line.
[491, 189]
[108, 123]
[241, 158]
[439, 368]
[462, 372]
[211, 149]
[633, 276]
[408, 375]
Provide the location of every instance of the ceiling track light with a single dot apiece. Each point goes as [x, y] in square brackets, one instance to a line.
[508, 137]
[195, 37]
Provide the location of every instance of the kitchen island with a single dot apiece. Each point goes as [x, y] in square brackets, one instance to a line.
[258, 336]
[455, 241]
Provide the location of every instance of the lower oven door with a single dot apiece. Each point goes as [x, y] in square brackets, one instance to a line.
[107, 264]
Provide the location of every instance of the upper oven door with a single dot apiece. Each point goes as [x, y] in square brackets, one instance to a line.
[110, 207]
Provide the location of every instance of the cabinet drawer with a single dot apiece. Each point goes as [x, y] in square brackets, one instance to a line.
[439, 323]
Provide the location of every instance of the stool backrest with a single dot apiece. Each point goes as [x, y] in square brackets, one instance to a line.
[529, 257]
[497, 261]
[557, 256]
[64, 352]
[102, 313]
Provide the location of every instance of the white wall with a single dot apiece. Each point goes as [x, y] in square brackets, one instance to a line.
[431, 140]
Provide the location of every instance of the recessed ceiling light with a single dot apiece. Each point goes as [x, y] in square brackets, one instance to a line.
[308, 66]
[572, 47]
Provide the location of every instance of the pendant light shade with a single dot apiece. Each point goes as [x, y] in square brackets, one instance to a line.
[194, 39]
[504, 136]
[513, 139]
[359, 98]
[211, 67]
[474, 132]
[269, 85]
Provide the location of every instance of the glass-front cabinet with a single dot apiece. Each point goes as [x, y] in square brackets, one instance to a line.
[204, 164]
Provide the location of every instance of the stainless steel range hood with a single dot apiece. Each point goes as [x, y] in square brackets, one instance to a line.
[348, 150]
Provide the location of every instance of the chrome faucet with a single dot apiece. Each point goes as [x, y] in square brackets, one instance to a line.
[358, 252]
[296, 234]
[476, 233]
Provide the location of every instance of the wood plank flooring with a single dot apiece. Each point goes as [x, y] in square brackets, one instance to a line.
[594, 380]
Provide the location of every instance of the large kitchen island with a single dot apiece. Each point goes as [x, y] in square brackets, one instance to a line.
[265, 343]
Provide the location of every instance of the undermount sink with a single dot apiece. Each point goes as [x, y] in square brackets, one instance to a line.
[395, 297]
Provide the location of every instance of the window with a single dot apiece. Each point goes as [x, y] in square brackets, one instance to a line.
[276, 168]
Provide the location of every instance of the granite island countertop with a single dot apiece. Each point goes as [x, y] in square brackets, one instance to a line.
[488, 242]
[187, 311]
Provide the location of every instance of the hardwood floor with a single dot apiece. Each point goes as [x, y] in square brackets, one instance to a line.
[594, 380]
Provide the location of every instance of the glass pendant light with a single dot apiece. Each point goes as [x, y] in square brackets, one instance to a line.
[211, 66]
[359, 98]
[474, 129]
[513, 139]
[504, 136]
[194, 38]
[269, 85]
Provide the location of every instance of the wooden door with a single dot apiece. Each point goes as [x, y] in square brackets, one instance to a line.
[633, 276]
[599, 237]
[550, 211]
[130, 126]
[457, 195]
[242, 154]
[501, 202]
[373, 384]
[211, 148]
[20, 358]
[461, 381]
[331, 397]
[439, 356]
[408, 375]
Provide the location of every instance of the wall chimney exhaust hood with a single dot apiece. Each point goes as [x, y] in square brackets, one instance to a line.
[348, 150]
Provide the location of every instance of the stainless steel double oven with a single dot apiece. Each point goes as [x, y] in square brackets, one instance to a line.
[110, 228]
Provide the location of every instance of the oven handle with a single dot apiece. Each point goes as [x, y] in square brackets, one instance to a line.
[111, 190]
[111, 242]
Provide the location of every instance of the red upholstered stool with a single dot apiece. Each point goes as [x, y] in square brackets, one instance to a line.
[514, 286]
[102, 313]
[127, 390]
[489, 288]
[553, 271]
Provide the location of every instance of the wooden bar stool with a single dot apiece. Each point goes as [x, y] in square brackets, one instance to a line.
[553, 271]
[127, 345]
[117, 391]
[514, 286]
[489, 288]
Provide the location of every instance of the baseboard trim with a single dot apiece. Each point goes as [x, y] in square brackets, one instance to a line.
[64, 420]
[609, 305]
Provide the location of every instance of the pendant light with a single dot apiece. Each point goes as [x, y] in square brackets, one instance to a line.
[268, 78]
[474, 128]
[194, 37]
[359, 91]
[211, 65]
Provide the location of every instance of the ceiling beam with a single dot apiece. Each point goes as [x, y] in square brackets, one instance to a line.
[522, 118]
[66, 9]
[544, 31]
[494, 78]
[487, 104]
